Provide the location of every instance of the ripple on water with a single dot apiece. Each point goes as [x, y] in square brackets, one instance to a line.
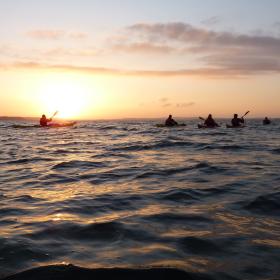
[264, 204]
[79, 164]
[130, 194]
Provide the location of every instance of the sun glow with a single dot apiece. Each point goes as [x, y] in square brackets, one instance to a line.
[70, 98]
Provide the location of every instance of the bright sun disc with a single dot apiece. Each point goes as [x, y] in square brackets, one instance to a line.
[68, 98]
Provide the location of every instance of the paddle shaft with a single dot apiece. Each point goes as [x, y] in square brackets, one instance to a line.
[245, 114]
[54, 114]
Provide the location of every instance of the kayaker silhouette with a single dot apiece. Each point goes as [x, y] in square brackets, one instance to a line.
[170, 121]
[266, 121]
[237, 121]
[210, 122]
[44, 121]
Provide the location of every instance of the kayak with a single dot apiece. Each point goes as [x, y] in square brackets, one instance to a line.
[24, 126]
[205, 126]
[50, 125]
[163, 125]
[230, 126]
[65, 124]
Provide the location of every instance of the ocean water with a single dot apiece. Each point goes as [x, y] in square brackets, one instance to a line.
[128, 194]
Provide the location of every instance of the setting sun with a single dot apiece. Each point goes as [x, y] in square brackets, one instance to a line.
[69, 98]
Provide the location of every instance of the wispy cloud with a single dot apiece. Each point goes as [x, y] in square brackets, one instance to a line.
[62, 51]
[166, 105]
[276, 24]
[199, 72]
[165, 102]
[50, 34]
[211, 21]
[143, 47]
[77, 35]
[212, 53]
[185, 104]
[227, 51]
[190, 35]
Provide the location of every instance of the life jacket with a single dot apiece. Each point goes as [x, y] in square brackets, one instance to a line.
[44, 121]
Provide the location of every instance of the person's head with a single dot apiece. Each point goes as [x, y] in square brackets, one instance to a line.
[44, 116]
[235, 115]
[210, 116]
[170, 117]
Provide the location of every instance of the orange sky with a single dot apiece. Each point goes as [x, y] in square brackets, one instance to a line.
[138, 64]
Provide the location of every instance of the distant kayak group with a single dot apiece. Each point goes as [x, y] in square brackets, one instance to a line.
[209, 122]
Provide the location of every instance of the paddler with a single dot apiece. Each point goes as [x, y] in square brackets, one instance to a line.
[44, 121]
[210, 122]
[236, 122]
[170, 121]
[266, 121]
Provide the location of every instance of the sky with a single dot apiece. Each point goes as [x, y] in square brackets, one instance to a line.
[107, 59]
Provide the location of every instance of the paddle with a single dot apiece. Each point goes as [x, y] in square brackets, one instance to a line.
[245, 114]
[54, 114]
[204, 120]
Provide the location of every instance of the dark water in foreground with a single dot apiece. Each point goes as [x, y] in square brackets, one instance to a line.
[128, 194]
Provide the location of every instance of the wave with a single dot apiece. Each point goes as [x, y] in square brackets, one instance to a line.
[112, 154]
[177, 195]
[102, 231]
[108, 127]
[159, 145]
[225, 147]
[177, 144]
[264, 204]
[71, 272]
[14, 211]
[100, 204]
[112, 231]
[203, 166]
[79, 164]
[276, 151]
[26, 160]
[27, 199]
[177, 218]
[205, 246]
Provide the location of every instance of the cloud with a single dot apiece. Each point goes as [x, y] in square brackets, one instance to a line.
[46, 34]
[220, 51]
[185, 105]
[166, 105]
[77, 35]
[59, 52]
[143, 47]
[49, 34]
[163, 100]
[192, 36]
[211, 21]
[199, 52]
[222, 72]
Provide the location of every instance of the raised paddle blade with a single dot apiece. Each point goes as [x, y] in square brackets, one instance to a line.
[54, 114]
[246, 114]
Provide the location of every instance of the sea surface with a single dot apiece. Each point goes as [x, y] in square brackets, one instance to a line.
[128, 194]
